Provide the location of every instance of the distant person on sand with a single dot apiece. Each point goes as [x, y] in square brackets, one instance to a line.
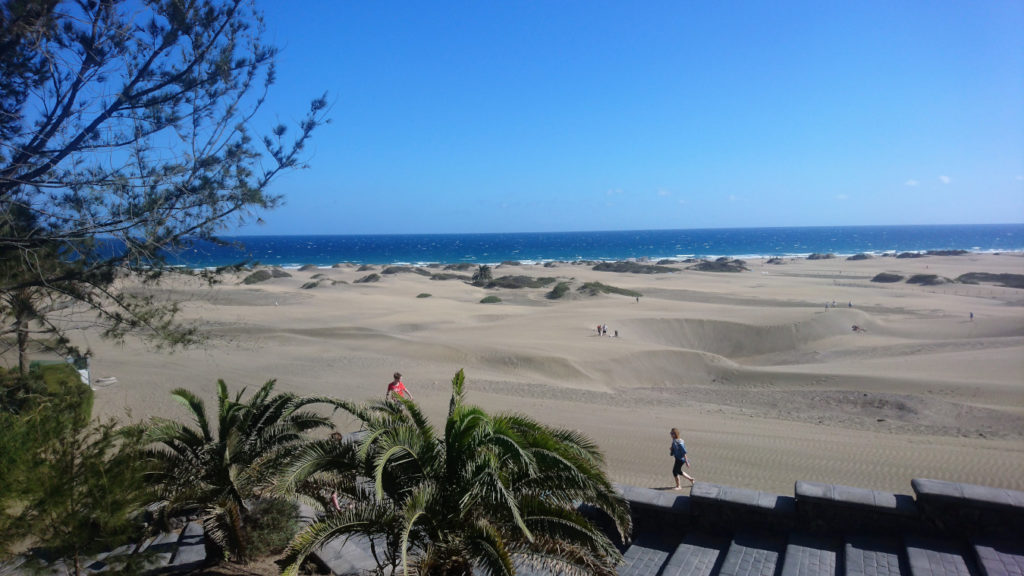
[678, 451]
[397, 388]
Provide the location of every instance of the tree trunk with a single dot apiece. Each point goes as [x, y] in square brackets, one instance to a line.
[23, 344]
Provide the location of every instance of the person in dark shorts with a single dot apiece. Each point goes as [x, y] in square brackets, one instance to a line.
[678, 452]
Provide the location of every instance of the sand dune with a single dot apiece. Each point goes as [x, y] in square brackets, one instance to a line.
[768, 385]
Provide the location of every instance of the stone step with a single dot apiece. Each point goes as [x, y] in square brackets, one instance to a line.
[753, 554]
[647, 555]
[937, 557]
[873, 556]
[697, 555]
[1000, 557]
[811, 555]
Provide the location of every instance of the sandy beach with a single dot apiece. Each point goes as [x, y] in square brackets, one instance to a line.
[767, 384]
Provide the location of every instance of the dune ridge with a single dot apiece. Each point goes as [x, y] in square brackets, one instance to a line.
[768, 385]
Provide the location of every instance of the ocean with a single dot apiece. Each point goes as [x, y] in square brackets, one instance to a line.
[418, 249]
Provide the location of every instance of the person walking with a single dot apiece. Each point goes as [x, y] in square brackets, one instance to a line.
[397, 388]
[678, 452]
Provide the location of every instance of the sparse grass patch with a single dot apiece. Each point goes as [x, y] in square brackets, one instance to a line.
[492, 299]
[861, 256]
[817, 256]
[374, 277]
[405, 269]
[423, 295]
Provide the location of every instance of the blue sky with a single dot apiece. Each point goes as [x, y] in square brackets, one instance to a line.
[570, 115]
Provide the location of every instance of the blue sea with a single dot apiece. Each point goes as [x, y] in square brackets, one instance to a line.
[325, 250]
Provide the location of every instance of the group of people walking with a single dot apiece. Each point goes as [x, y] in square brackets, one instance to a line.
[678, 449]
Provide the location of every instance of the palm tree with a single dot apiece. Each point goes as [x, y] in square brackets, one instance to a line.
[222, 471]
[494, 493]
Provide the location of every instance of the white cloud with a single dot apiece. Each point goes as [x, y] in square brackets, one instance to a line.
[1020, 177]
[663, 193]
[945, 179]
[841, 197]
[911, 183]
[682, 200]
[732, 198]
[614, 192]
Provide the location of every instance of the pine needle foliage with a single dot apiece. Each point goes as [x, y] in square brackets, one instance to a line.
[488, 494]
[127, 131]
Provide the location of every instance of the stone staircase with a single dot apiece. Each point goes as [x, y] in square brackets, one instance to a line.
[949, 529]
[945, 529]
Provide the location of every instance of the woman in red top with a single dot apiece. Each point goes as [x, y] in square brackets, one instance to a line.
[397, 388]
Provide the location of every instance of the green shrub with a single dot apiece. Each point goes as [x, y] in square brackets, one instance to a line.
[860, 256]
[519, 282]
[887, 277]
[558, 291]
[723, 264]
[309, 285]
[595, 288]
[423, 295]
[633, 268]
[365, 267]
[308, 267]
[271, 524]
[490, 299]
[450, 276]
[257, 276]
[927, 279]
[404, 269]
[373, 277]
[1005, 280]
[817, 256]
